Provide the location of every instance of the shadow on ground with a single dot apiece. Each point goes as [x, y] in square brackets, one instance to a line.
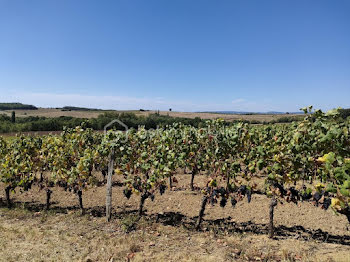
[177, 219]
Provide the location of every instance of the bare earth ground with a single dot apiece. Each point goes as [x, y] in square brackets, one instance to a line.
[51, 112]
[166, 232]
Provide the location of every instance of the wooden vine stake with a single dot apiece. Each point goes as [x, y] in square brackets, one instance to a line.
[201, 212]
[192, 179]
[80, 199]
[273, 203]
[8, 200]
[48, 197]
[109, 187]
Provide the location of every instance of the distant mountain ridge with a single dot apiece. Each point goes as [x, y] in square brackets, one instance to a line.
[75, 108]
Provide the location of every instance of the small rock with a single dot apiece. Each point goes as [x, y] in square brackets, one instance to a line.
[129, 256]
[237, 251]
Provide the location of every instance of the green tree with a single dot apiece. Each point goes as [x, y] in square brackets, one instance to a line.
[13, 117]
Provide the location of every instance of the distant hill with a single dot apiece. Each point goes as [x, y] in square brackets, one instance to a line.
[16, 106]
[74, 108]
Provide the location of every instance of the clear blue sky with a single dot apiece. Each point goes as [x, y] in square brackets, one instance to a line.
[248, 55]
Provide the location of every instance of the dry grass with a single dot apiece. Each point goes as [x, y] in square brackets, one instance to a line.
[51, 112]
[26, 236]
[227, 117]
[27, 233]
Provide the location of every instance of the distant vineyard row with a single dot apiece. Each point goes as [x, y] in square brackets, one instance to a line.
[303, 161]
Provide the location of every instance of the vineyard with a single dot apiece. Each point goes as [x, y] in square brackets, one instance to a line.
[306, 161]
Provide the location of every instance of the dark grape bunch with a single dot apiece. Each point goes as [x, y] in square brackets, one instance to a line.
[243, 190]
[223, 194]
[322, 198]
[233, 202]
[162, 188]
[127, 193]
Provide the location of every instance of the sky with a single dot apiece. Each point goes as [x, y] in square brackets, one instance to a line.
[197, 55]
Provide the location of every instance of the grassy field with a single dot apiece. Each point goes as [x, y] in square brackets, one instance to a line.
[166, 232]
[50, 112]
